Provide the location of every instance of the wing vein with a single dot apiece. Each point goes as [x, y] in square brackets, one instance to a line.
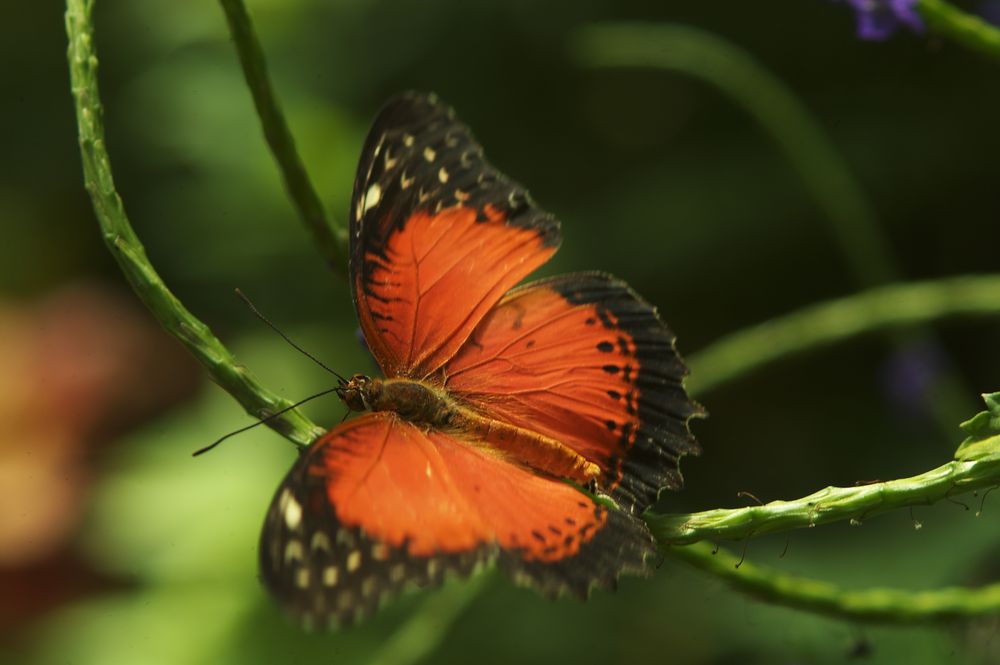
[520, 336]
[472, 312]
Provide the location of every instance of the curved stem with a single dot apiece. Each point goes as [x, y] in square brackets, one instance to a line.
[131, 256]
[801, 138]
[330, 237]
[971, 31]
[873, 604]
[735, 73]
[826, 323]
[831, 504]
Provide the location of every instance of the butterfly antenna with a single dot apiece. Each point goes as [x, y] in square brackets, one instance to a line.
[285, 337]
[263, 420]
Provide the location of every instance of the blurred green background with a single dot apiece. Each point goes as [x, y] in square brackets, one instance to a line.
[121, 548]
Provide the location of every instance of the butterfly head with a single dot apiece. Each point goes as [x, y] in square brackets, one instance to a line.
[356, 392]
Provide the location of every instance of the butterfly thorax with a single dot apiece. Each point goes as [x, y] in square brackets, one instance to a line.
[424, 404]
[414, 401]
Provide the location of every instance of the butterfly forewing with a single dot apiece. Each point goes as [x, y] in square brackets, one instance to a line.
[437, 236]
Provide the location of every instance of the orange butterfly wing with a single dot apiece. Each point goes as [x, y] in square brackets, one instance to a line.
[380, 502]
[584, 360]
[437, 236]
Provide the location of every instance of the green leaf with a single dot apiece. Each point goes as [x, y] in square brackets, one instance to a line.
[983, 431]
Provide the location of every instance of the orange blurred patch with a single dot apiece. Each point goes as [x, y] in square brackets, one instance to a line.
[80, 366]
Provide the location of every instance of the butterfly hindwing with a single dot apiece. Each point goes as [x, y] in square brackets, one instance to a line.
[327, 571]
[437, 236]
[380, 503]
[582, 359]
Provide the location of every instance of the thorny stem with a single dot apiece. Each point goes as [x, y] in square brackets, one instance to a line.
[832, 504]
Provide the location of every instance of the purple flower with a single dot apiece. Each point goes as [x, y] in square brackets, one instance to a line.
[908, 377]
[879, 19]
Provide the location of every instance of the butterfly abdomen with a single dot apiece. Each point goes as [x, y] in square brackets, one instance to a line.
[527, 447]
[421, 403]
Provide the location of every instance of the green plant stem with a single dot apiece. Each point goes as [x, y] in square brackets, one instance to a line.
[870, 605]
[826, 323]
[735, 73]
[831, 504]
[945, 19]
[330, 238]
[130, 254]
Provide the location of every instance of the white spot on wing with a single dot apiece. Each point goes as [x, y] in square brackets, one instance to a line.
[293, 551]
[443, 175]
[330, 574]
[291, 509]
[302, 578]
[429, 154]
[353, 561]
[407, 140]
[372, 196]
[320, 541]
[404, 181]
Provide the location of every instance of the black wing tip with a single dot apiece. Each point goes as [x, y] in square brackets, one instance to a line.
[544, 223]
[415, 105]
[447, 166]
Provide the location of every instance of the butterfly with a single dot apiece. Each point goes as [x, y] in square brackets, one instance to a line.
[500, 406]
